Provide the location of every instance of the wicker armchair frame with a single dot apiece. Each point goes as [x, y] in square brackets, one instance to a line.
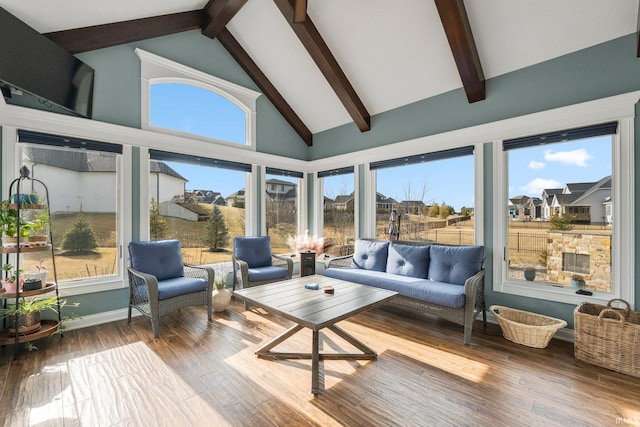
[465, 316]
[143, 294]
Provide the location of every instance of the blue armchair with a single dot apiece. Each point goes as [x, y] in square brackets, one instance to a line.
[159, 282]
[254, 264]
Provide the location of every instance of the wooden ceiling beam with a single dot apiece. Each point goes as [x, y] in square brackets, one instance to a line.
[300, 11]
[219, 13]
[326, 62]
[107, 35]
[458, 30]
[251, 68]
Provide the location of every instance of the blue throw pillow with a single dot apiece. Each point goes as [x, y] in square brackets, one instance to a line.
[370, 255]
[408, 260]
[454, 264]
[161, 258]
[255, 251]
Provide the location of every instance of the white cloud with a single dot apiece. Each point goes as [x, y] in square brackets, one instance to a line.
[578, 157]
[534, 188]
[536, 165]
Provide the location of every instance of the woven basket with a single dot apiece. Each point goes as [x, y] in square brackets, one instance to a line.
[607, 336]
[523, 327]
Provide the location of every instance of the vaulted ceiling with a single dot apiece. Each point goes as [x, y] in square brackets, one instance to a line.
[325, 63]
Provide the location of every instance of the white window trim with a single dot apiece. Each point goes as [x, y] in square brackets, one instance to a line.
[123, 210]
[156, 69]
[620, 108]
[301, 208]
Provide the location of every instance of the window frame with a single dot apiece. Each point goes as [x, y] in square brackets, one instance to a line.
[301, 208]
[620, 109]
[11, 150]
[155, 69]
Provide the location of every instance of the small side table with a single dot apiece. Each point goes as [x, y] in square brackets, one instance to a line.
[307, 263]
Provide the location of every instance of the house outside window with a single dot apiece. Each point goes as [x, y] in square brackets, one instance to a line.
[282, 207]
[83, 178]
[576, 173]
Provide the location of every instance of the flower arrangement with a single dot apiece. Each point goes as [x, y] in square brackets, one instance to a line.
[305, 243]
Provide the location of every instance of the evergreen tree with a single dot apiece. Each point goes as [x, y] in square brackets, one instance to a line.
[561, 223]
[157, 224]
[81, 237]
[217, 231]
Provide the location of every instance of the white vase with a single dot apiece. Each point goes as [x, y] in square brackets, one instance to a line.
[220, 299]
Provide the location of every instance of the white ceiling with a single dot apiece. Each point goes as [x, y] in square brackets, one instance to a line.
[393, 53]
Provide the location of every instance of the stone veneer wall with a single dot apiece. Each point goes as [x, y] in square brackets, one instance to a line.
[596, 244]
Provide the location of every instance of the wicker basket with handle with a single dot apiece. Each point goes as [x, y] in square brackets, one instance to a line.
[608, 336]
[526, 328]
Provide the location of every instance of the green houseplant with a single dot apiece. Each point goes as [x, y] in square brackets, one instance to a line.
[9, 225]
[10, 277]
[28, 313]
[38, 229]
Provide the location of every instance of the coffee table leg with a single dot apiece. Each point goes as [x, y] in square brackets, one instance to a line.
[315, 361]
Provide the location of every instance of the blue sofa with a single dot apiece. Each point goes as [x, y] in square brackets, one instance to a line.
[446, 281]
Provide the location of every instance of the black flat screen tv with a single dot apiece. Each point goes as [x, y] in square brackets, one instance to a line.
[31, 63]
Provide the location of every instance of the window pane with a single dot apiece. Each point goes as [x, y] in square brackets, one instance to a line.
[281, 211]
[339, 220]
[198, 111]
[560, 212]
[83, 203]
[433, 201]
[196, 205]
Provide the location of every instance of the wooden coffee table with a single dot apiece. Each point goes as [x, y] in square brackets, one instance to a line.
[316, 310]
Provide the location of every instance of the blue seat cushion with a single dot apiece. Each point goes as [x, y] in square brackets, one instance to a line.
[267, 273]
[408, 260]
[446, 294]
[161, 258]
[370, 255]
[255, 251]
[170, 288]
[454, 264]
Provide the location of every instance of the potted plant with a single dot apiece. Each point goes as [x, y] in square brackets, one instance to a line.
[38, 229]
[529, 272]
[221, 296]
[28, 313]
[10, 277]
[9, 223]
[39, 274]
[31, 283]
[577, 281]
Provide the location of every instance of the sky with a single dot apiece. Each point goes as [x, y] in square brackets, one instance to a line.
[195, 110]
[533, 169]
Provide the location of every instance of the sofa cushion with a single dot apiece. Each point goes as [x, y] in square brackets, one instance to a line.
[408, 260]
[161, 258]
[177, 286]
[255, 251]
[370, 255]
[440, 293]
[266, 273]
[454, 264]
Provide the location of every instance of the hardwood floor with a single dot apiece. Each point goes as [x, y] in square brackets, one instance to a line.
[200, 374]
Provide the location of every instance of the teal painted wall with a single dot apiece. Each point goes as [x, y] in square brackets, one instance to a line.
[600, 71]
[117, 86]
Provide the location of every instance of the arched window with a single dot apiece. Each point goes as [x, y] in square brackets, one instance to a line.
[191, 109]
[180, 100]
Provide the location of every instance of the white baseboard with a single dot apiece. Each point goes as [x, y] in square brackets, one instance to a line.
[99, 318]
[563, 334]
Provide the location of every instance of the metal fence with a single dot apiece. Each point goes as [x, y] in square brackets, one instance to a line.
[527, 242]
